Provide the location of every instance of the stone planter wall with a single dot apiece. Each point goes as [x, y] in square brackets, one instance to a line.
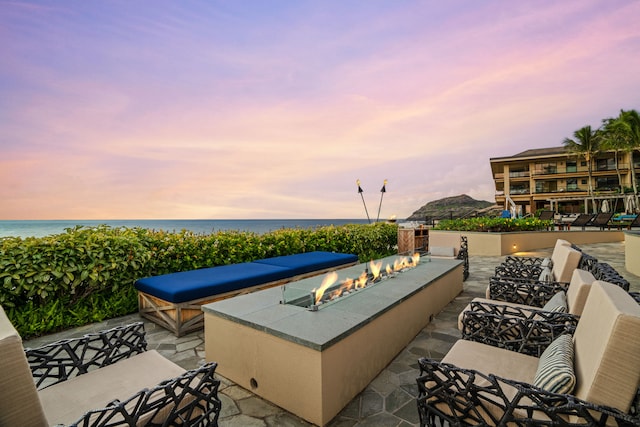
[498, 244]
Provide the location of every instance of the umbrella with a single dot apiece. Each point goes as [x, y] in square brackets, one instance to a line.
[629, 205]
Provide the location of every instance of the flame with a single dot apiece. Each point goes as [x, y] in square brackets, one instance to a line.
[375, 268]
[347, 284]
[361, 281]
[399, 264]
[416, 259]
[328, 280]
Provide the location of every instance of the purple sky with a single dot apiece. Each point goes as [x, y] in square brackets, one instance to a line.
[273, 109]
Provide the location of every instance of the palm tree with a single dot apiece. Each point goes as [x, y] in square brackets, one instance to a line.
[612, 139]
[627, 127]
[585, 143]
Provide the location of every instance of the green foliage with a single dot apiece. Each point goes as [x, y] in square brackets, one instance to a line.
[494, 224]
[87, 275]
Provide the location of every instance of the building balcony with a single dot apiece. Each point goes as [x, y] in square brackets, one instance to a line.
[622, 167]
[519, 174]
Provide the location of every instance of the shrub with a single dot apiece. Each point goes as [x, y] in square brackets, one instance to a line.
[494, 224]
[87, 274]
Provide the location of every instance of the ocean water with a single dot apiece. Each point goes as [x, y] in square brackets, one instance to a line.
[40, 228]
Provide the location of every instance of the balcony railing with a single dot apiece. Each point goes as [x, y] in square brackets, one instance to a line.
[520, 174]
[621, 166]
[565, 170]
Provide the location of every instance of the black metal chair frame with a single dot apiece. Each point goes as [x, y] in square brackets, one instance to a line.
[534, 293]
[467, 403]
[463, 254]
[192, 397]
[519, 329]
[443, 385]
[605, 272]
[527, 331]
[501, 286]
[524, 291]
[530, 267]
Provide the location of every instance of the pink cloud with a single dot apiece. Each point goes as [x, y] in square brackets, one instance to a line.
[214, 111]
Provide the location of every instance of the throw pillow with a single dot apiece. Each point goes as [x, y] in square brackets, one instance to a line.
[546, 275]
[557, 303]
[555, 367]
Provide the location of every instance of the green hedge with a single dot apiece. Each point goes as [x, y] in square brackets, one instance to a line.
[86, 275]
[494, 224]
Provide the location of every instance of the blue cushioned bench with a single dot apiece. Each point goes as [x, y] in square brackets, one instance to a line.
[174, 300]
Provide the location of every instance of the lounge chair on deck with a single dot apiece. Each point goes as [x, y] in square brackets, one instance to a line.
[601, 220]
[103, 379]
[625, 221]
[581, 221]
[546, 215]
[588, 379]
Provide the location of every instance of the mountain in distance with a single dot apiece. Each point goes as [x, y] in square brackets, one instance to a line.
[454, 207]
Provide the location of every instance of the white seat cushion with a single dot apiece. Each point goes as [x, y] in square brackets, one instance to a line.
[65, 402]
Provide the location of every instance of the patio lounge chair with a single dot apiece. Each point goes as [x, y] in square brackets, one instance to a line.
[601, 220]
[102, 379]
[581, 221]
[510, 325]
[625, 221]
[588, 379]
[546, 215]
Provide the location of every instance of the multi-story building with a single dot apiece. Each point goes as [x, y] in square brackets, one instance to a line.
[553, 178]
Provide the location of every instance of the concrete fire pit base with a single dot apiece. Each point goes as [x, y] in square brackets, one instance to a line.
[314, 363]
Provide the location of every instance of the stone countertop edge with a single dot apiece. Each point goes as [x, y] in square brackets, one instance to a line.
[228, 309]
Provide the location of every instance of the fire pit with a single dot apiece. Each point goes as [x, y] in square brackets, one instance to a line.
[332, 289]
[311, 354]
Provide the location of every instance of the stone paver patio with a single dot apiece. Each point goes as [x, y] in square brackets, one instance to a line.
[389, 400]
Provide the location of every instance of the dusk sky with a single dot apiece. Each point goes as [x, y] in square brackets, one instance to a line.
[273, 109]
